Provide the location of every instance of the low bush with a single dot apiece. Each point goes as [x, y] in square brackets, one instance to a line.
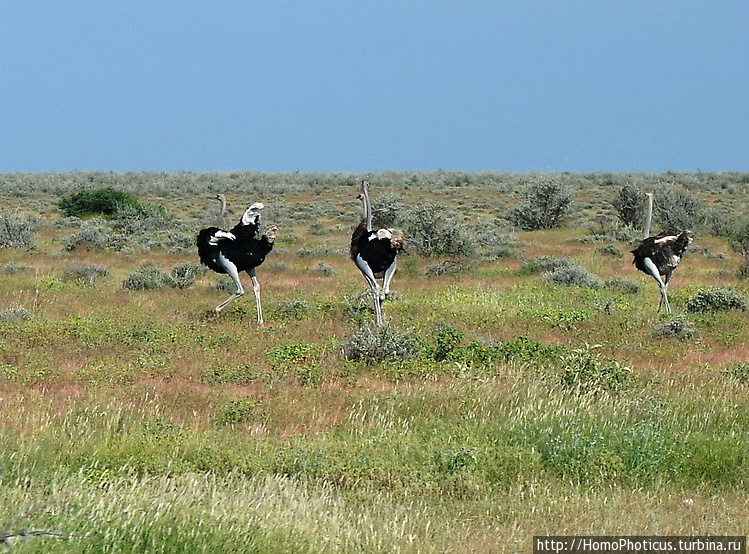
[434, 231]
[609, 250]
[184, 275]
[239, 410]
[101, 201]
[148, 277]
[85, 274]
[588, 371]
[622, 284]
[678, 326]
[16, 232]
[716, 299]
[738, 372]
[545, 205]
[575, 276]
[14, 314]
[374, 344]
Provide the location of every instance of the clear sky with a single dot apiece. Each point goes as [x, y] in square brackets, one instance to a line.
[374, 85]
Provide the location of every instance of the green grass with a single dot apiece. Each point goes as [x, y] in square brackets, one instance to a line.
[497, 404]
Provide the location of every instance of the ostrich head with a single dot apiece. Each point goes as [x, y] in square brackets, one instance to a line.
[397, 240]
[270, 234]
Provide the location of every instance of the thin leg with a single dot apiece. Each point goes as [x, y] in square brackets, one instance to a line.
[652, 270]
[665, 291]
[389, 272]
[231, 270]
[373, 285]
[256, 289]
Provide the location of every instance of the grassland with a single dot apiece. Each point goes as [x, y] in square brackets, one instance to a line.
[513, 406]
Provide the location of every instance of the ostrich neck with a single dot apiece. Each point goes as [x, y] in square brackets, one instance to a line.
[648, 216]
[367, 208]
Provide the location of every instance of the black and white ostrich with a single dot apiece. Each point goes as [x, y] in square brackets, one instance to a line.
[660, 255]
[230, 252]
[375, 253]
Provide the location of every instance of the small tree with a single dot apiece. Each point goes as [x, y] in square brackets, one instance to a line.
[629, 205]
[435, 231]
[545, 205]
[677, 210]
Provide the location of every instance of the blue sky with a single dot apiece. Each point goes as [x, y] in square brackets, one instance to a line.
[370, 86]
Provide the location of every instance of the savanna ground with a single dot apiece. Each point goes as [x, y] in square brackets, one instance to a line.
[502, 400]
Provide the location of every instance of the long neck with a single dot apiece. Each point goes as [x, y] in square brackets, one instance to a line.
[648, 214]
[220, 216]
[367, 206]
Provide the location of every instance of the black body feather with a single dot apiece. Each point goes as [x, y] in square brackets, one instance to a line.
[665, 250]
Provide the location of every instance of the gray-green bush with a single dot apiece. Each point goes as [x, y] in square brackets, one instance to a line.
[544, 206]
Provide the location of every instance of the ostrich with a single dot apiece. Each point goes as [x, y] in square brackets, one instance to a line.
[237, 250]
[660, 255]
[375, 253]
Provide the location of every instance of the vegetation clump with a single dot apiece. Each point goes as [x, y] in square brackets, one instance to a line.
[588, 371]
[101, 201]
[14, 314]
[184, 275]
[716, 299]
[678, 326]
[629, 204]
[738, 372]
[575, 276]
[85, 274]
[16, 232]
[148, 277]
[545, 205]
[433, 231]
[374, 344]
[239, 410]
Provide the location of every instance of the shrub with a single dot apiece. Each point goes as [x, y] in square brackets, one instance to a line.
[588, 371]
[237, 375]
[716, 299]
[629, 205]
[101, 201]
[622, 284]
[85, 274]
[740, 240]
[134, 219]
[448, 267]
[545, 205]
[14, 314]
[388, 212]
[324, 269]
[677, 210]
[609, 250]
[294, 309]
[92, 235]
[434, 231]
[184, 275]
[12, 268]
[374, 344]
[575, 276]
[148, 277]
[547, 264]
[16, 232]
[239, 410]
[679, 327]
[446, 339]
[739, 372]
